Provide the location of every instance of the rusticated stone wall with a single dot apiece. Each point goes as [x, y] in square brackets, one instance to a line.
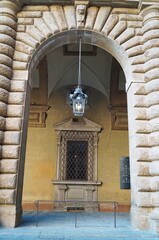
[133, 38]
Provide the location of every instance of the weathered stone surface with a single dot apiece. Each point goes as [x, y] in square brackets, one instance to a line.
[110, 23]
[8, 181]
[102, 16]
[152, 98]
[41, 25]
[21, 28]
[151, 64]
[126, 35]
[130, 17]
[50, 21]
[118, 29]
[27, 39]
[25, 21]
[144, 169]
[151, 44]
[24, 48]
[140, 101]
[144, 199]
[16, 98]
[134, 24]
[144, 184]
[141, 217]
[29, 14]
[154, 139]
[129, 11]
[5, 71]
[17, 65]
[155, 199]
[142, 126]
[1, 136]
[4, 83]
[35, 8]
[3, 109]
[7, 21]
[142, 154]
[14, 110]
[140, 114]
[154, 123]
[135, 51]
[152, 74]
[154, 168]
[8, 31]
[13, 124]
[20, 75]
[154, 153]
[8, 166]
[2, 123]
[3, 95]
[132, 42]
[10, 151]
[150, 25]
[153, 112]
[6, 49]
[142, 140]
[5, 60]
[17, 86]
[21, 56]
[59, 16]
[7, 40]
[138, 68]
[151, 35]
[35, 33]
[91, 17]
[11, 137]
[70, 16]
[154, 183]
[137, 59]
[7, 196]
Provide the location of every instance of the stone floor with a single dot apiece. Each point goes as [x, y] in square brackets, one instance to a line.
[75, 226]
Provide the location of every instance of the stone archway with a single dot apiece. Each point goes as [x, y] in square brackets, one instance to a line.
[130, 36]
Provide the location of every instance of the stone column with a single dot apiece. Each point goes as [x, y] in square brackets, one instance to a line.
[151, 46]
[9, 151]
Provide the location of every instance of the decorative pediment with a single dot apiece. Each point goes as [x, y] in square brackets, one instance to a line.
[78, 124]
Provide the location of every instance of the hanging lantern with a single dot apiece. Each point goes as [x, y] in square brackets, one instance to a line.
[78, 98]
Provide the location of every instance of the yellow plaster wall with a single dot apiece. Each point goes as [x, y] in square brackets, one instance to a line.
[40, 166]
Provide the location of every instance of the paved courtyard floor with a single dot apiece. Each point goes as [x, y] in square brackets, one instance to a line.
[75, 226]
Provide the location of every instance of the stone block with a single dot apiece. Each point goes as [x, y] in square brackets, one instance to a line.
[153, 139]
[155, 199]
[8, 21]
[151, 34]
[35, 8]
[29, 14]
[25, 21]
[140, 114]
[5, 60]
[7, 196]
[50, 21]
[138, 68]
[154, 123]
[112, 20]
[14, 110]
[144, 169]
[20, 75]
[154, 183]
[118, 29]
[153, 112]
[21, 28]
[8, 166]
[154, 168]
[1, 136]
[7, 40]
[143, 184]
[17, 65]
[6, 49]
[140, 217]
[70, 16]
[10, 151]
[18, 86]
[91, 17]
[59, 16]
[23, 48]
[2, 123]
[152, 86]
[135, 51]
[137, 59]
[41, 25]
[126, 35]
[13, 124]
[151, 64]
[152, 74]
[6, 71]
[21, 56]
[35, 33]
[16, 98]
[144, 199]
[8, 31]
[142, 140]
[148, 46]
[151, 53]
[142, 126]
[101, 18]
[4, 83]
[8, 181]
[3, 109]
[142, 154]
[4, 95]
[130, 17]
[139, 101]
[11, 137]
[27, 39]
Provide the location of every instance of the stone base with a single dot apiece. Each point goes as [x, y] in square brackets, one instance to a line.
[10, 216]
[140, 217]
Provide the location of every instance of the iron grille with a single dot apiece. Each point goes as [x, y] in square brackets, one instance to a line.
[76, 156]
